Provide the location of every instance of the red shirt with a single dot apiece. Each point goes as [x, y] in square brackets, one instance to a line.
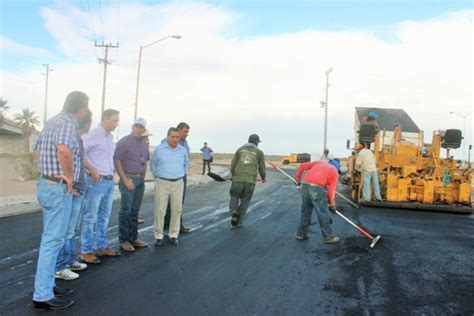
[320, 173]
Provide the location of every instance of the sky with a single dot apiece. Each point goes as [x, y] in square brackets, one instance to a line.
[244, 67]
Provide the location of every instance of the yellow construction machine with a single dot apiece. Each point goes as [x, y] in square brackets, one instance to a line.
[415, 175]
[296, 158]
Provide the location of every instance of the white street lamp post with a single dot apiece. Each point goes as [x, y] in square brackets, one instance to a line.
[139, 66]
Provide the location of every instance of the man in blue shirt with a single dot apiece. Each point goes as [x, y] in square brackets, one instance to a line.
[183, 129]
[206, 158]
[169, 164]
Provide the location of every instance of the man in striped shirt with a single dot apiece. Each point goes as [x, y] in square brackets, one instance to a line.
[59, 164]
[318, 192]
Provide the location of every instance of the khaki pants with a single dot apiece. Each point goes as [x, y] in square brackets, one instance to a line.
[165, 191]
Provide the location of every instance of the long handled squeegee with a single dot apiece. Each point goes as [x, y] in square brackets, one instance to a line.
[374, 240]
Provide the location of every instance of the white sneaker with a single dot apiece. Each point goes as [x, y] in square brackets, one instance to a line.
[77, 266]
[66, 274]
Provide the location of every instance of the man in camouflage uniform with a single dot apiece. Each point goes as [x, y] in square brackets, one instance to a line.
[245, 163]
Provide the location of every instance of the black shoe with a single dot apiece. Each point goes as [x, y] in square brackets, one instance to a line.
[174, 241]
[159, 243]
[60, 291]
[235, 218]
[184, 230]
[54, 303]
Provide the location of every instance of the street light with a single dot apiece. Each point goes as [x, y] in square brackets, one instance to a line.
[139, 65]
[325, 105]
[463, 131]
[46, 93]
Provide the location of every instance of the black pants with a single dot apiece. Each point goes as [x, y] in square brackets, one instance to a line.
[204, 163]
[168, 209]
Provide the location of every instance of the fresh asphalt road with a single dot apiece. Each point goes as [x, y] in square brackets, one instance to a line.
[422, 265]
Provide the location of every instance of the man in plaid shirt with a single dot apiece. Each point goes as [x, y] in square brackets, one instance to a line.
[59, 164]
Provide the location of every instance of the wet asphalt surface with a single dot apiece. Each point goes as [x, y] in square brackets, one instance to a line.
[422, 265]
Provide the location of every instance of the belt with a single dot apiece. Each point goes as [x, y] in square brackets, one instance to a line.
[316, 185]
[172, 180]
[103, 177]
[54, 179]
[135, 175]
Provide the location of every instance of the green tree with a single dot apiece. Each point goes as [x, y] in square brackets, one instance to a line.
[28, 120]
[3, 108]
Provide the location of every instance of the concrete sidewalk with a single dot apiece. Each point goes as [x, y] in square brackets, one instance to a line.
[27, 203]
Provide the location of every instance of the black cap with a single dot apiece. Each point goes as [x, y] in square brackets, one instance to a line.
[254, 139]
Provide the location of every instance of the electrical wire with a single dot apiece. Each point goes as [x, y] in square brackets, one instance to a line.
[101, 22]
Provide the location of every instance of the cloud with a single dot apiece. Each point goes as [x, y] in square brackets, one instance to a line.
[9, 46]
[228, 87]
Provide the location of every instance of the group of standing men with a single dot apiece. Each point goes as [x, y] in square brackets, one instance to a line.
[77, 167]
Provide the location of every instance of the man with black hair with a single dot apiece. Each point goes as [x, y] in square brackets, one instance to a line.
[183, 130]
[67, 262]
[245, 163]
[59, 164]
[168, 165]
[99, 160]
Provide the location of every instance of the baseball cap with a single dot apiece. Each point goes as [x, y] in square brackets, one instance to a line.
[140, 121]
[254, 138]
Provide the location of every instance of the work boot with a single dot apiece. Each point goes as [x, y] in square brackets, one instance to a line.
[331, 240]
[302, 237]
[235, 218]
[184, 230]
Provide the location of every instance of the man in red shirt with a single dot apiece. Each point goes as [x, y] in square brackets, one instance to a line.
[318, 191]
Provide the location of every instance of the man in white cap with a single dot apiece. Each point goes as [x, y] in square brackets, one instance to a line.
[130, 158]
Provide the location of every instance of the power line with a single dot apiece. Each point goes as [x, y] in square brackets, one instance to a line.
[94, 34]
[101, 22]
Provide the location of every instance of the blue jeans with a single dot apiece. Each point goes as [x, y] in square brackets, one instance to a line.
[371, 177]
[314, 198]
[67, 256]
[56, 204]
[98, 201]
[129, 207]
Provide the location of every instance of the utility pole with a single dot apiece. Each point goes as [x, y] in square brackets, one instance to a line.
[106, 62]
[325, 104]
[46, 94]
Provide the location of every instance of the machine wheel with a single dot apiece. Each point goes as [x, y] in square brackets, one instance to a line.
[286, 162]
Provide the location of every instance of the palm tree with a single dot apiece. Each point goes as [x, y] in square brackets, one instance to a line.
[3, 108]
[28, 120]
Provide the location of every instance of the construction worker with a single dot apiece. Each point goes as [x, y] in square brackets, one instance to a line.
[365, 163]
[318, 191]
[371, 119]
[325, 156]
[245, 163]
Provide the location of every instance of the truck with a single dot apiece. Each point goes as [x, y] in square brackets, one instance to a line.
[297, 158]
